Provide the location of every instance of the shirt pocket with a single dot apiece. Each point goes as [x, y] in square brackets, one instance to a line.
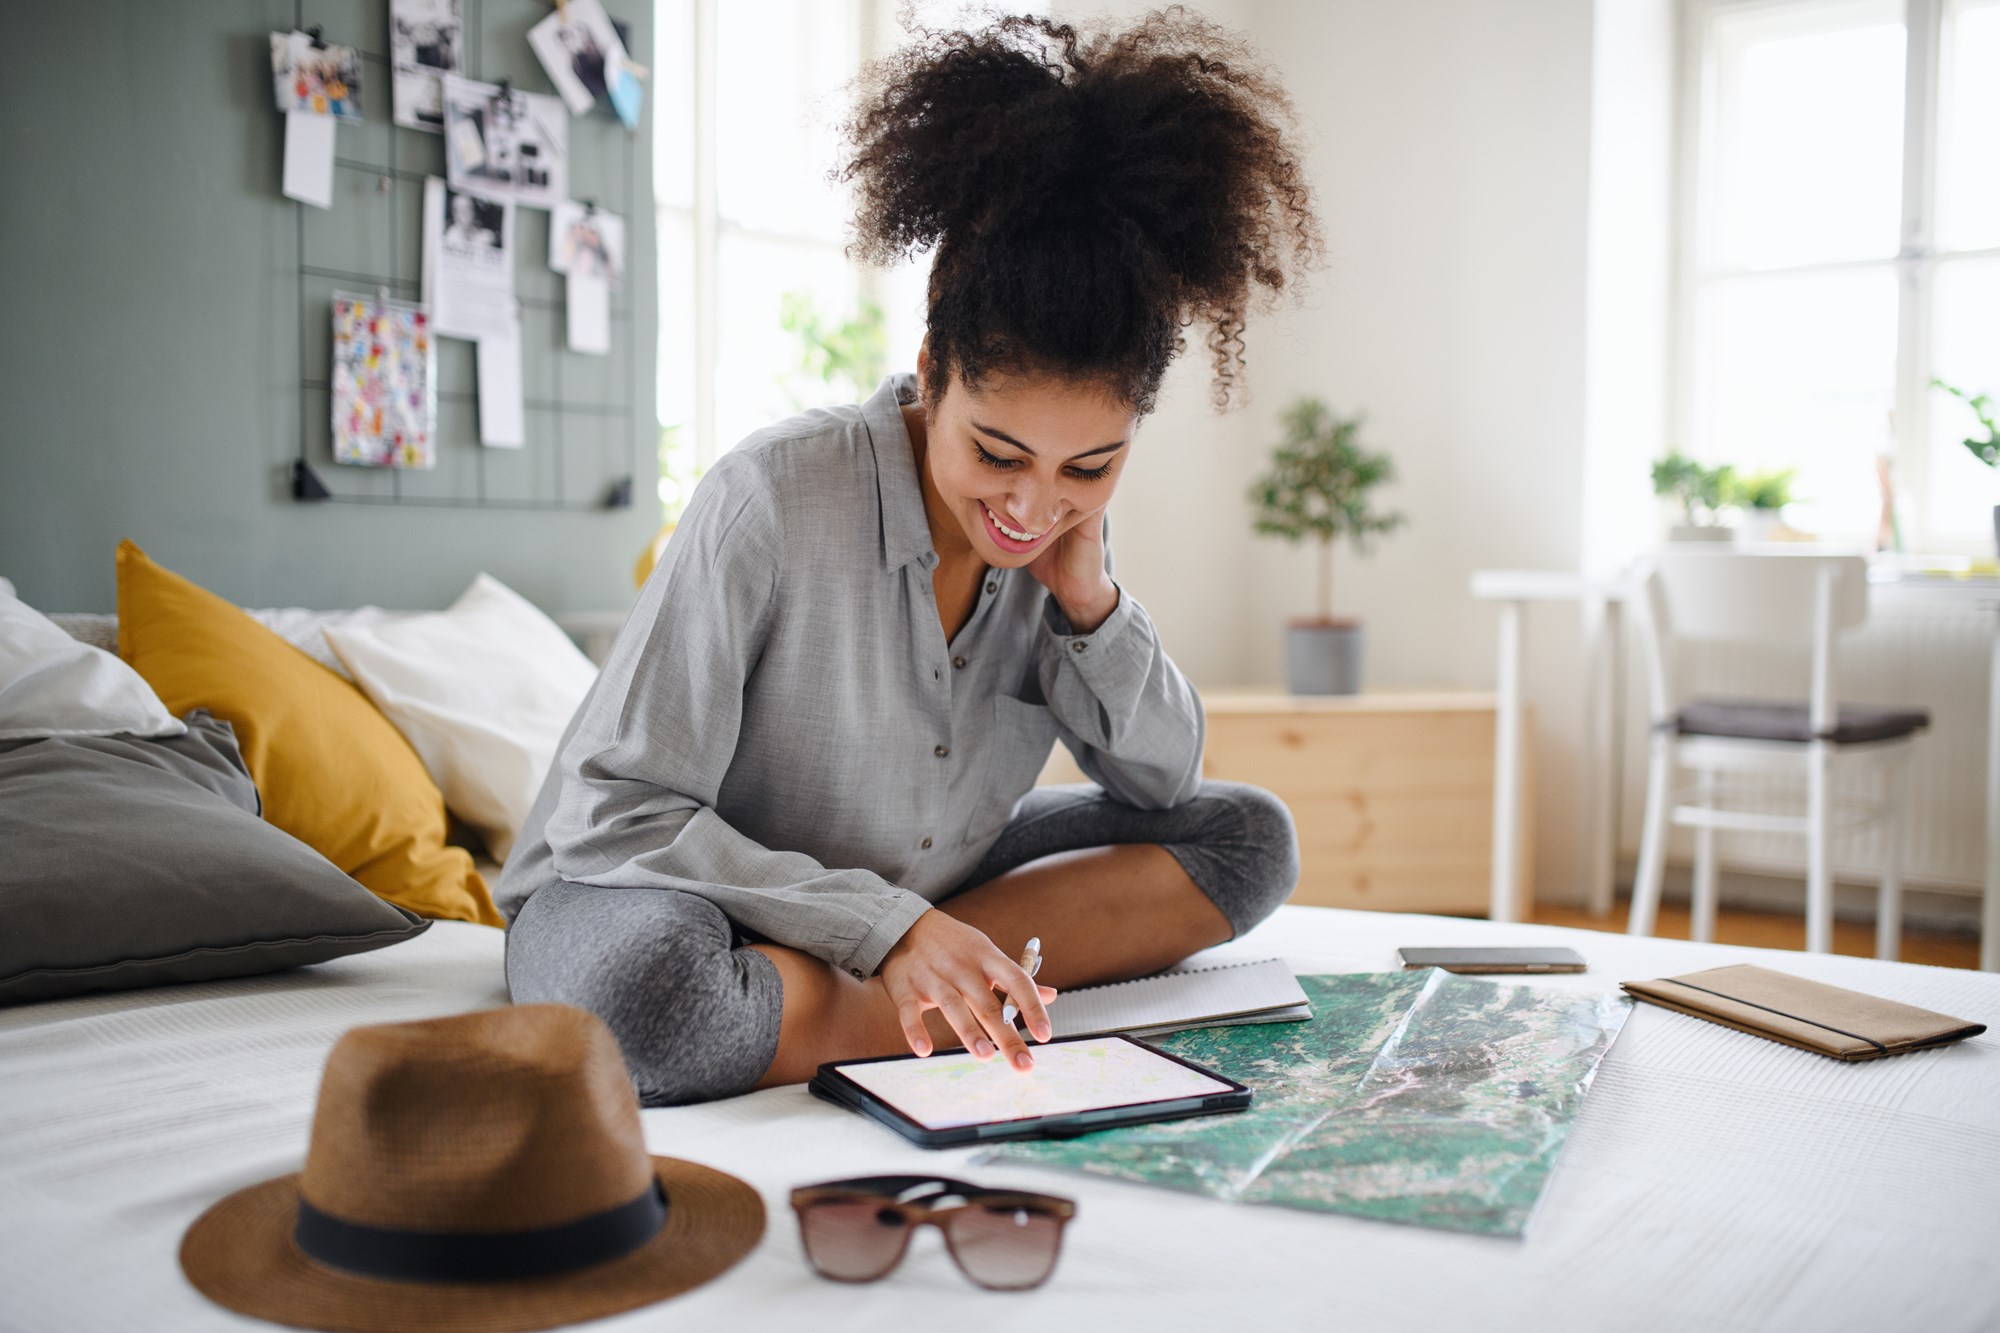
[1023, 735]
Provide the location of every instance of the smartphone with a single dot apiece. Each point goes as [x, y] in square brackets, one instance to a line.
[1494, 960]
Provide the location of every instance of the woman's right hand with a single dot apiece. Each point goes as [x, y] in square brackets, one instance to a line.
[941, 963]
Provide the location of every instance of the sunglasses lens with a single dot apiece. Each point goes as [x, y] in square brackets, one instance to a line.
[1005, 1246]
[852, 1240]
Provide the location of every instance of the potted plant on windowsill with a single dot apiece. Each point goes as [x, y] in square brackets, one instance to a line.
[1986, 450]
[1699, 491]
[1762, 497]
[1318, 487]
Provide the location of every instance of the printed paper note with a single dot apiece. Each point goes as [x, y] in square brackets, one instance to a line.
[468, 261]
[309, 158]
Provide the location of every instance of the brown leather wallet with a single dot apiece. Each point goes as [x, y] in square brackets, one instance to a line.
[1811, 1015]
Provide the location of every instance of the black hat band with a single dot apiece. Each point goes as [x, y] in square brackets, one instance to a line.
[464, 1256]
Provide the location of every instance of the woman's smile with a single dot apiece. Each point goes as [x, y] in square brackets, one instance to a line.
[1009, 539]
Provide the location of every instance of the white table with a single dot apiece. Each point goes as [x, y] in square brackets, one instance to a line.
[1516, 590]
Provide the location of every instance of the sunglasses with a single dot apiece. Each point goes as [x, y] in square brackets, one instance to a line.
[857, 1230]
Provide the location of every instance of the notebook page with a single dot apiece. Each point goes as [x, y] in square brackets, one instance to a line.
[1185, 998]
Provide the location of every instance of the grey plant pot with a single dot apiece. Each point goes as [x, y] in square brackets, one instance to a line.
[1323, 657]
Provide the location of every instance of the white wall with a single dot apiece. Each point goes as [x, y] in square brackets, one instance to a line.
[1451, 149]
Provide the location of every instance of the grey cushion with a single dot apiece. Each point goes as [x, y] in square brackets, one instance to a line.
[1766, 720]
[133, 862]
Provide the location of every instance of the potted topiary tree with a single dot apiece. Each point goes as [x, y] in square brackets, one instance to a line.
[1699, 491]
[1318, 487]
[1986, 450]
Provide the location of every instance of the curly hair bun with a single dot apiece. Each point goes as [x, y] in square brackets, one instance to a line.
[1088, 194]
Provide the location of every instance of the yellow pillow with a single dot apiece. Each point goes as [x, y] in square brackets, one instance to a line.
[333, 772]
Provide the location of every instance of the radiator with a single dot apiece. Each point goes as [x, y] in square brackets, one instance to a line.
[1917, 652]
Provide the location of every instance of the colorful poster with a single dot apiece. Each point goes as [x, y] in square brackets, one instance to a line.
[324, 80]
[384, 383]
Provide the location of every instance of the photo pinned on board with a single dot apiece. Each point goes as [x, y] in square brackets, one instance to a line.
[505, 144]
[585, 241]
[582, 52]
[309, 75]
[475, 229]
[468, 280]
[426, 40]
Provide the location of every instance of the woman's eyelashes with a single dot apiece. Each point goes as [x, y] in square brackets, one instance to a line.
[993, 460]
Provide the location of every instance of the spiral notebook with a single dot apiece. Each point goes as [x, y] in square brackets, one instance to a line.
[1264, 991]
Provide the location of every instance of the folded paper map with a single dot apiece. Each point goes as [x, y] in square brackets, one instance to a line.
[1419, 1097]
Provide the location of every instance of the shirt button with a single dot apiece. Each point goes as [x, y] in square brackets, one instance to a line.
[958, 662]
[1078, 645]
[857, 971]
[925, 844]
[941, 751]
[992, 587]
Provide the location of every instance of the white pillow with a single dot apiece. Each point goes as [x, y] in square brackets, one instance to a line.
[52, 685]
[482, 691]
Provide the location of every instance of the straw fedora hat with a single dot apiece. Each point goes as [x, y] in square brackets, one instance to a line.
[480, 1172]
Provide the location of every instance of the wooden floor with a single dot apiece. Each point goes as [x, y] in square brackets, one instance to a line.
[1779, 930]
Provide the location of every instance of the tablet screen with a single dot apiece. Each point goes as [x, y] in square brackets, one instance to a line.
[946, 1091]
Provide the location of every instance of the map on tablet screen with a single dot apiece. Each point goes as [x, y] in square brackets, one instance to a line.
[947, 1091]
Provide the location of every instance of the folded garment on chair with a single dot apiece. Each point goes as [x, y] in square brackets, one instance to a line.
[1811, 1015]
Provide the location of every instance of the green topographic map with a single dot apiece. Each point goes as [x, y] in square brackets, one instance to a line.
[1421, 1097]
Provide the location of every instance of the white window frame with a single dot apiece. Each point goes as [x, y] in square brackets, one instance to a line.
[1916, 261]
[708, 225]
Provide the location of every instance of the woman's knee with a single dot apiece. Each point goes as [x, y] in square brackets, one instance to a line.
[695, 1017]
[1250, 851]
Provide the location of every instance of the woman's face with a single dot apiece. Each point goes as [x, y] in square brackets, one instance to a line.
[1020, 461]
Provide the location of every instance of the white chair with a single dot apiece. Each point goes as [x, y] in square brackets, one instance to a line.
[1797, 599]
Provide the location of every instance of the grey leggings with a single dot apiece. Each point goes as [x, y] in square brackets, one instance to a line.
[696, 1011]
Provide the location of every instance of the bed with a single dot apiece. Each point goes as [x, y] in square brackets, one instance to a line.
[1713, 1181]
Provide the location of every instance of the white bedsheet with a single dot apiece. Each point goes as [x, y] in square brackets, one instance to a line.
[1713, 1181]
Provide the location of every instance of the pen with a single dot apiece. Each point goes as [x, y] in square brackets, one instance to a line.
[1031, 963]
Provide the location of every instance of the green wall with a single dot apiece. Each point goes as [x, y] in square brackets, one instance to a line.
[149, 346]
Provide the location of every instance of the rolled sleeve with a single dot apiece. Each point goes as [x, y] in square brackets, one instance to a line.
[1132, 720]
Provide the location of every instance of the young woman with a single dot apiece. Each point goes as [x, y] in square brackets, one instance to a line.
[795, 820]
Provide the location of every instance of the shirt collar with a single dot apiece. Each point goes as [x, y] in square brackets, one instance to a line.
[906, 529]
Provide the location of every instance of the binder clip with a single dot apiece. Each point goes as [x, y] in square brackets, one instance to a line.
[318, 42]
[590, 208]
[619, 496]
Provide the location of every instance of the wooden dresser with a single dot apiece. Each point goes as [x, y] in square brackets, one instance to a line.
[1392, 792]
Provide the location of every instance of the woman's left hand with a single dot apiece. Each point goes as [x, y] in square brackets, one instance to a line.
[1072, 569]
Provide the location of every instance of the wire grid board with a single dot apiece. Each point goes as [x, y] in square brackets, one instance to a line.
[581, 428]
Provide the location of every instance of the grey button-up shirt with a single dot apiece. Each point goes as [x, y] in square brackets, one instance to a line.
[782, 729]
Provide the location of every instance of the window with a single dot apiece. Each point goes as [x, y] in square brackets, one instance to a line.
[1841, 247]
[750, 98]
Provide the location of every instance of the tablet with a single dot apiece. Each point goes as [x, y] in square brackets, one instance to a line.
[1079, 1085]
